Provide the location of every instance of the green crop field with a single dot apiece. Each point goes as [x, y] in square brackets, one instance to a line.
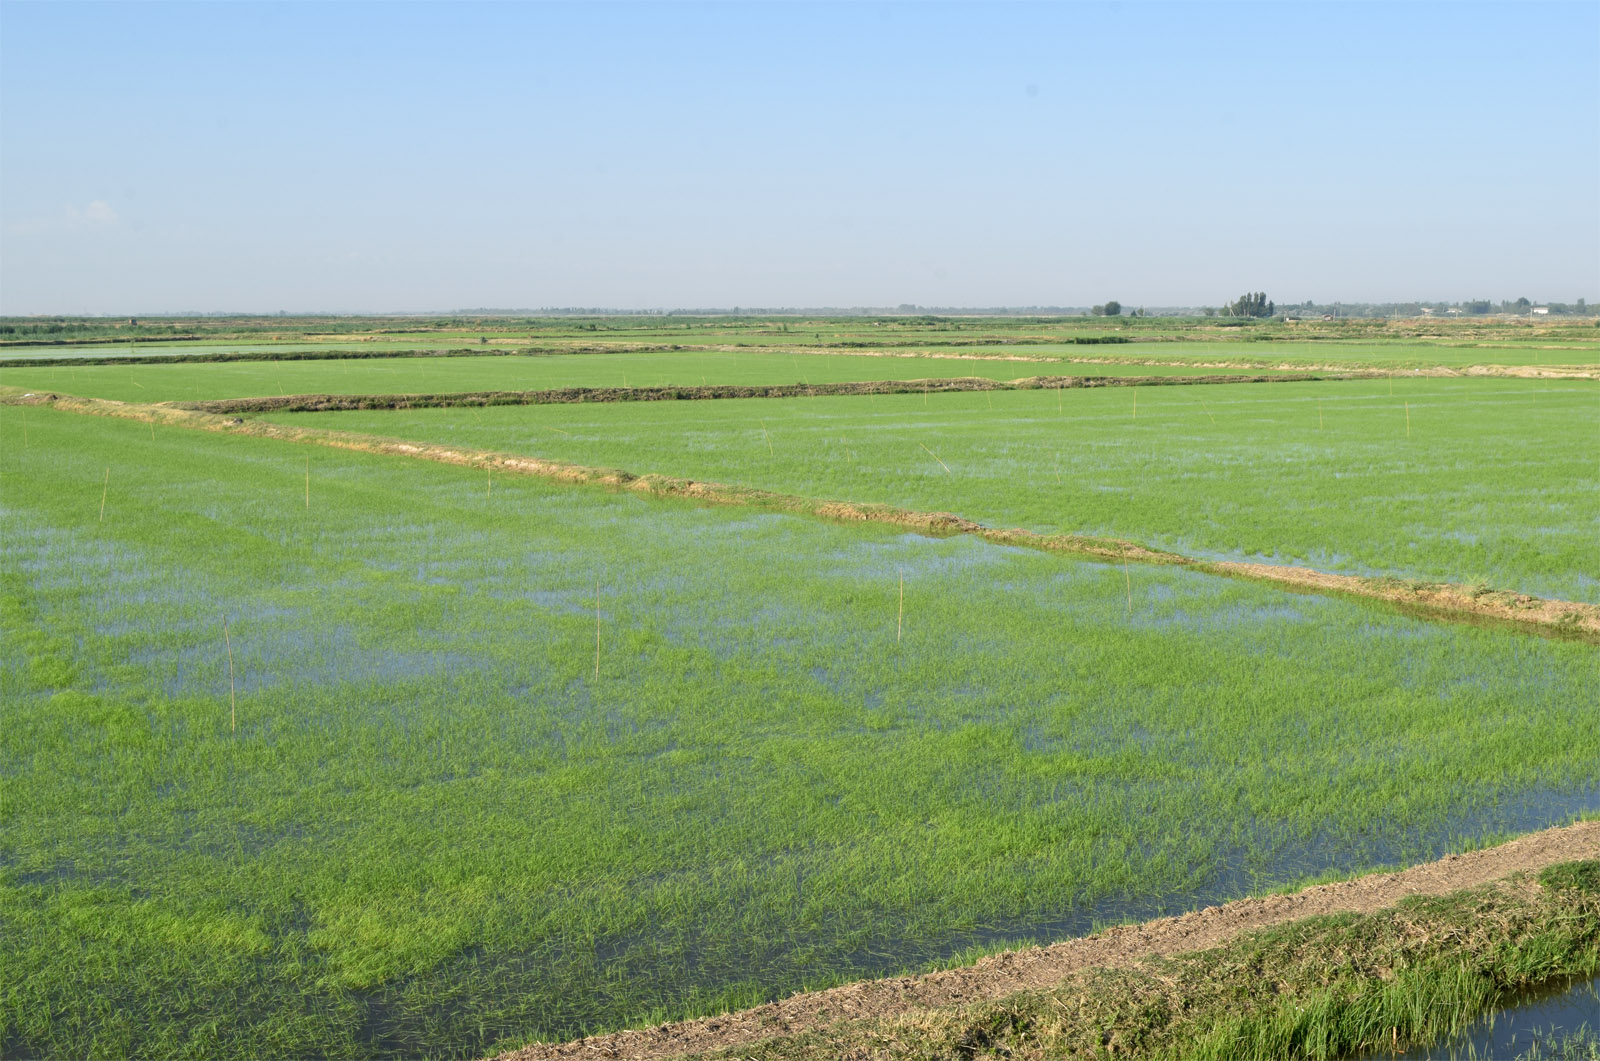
[412, 375]
[313, 751]
[1440, 479]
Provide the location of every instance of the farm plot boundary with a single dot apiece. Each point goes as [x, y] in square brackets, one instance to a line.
[1434, 600]
[323, 403]
[1121, 947]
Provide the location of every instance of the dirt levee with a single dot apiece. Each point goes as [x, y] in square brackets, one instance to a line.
[1039, 967]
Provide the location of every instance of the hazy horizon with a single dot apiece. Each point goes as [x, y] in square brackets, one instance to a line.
[384, 158]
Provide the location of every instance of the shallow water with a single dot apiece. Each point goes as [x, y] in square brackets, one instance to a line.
[1513, 1030]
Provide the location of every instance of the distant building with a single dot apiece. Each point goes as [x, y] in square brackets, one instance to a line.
[1541, 311]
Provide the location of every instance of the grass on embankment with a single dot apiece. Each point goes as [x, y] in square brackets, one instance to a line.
[1325, 987]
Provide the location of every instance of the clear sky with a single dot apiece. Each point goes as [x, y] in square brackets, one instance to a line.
[390, 157]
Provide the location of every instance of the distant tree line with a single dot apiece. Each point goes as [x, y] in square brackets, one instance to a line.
[1248, 305]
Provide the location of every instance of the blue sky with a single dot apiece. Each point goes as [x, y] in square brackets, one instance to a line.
[378, 157]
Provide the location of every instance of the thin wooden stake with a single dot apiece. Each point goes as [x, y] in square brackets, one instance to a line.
[488, 482]
[1319, 414]
[1408, 419]
[1127, 579]
[935, 456]
[900, 619]
[24, 413]
[233, 704]
[308, 482]
[767, 437]
[104, 489]
[1136, 404]
[597, 629]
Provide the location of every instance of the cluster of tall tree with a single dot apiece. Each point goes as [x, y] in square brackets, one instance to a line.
[1248, 305]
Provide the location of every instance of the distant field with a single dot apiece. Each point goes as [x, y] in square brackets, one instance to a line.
[154, 383]
[1490, 479]
[1374, 354]
[437, 828]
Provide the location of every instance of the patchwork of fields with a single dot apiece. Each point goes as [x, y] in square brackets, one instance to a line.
[317, 750]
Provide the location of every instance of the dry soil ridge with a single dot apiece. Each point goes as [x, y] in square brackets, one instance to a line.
[294, 403]
[1040, 967]
[1440, 600]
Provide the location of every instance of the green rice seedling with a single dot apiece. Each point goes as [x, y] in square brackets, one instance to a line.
[1488, 488]
[429, 829]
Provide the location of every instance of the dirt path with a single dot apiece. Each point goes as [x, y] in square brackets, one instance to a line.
[1433, 600]
[1040, 967]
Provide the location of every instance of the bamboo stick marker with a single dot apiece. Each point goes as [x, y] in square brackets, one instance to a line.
[308, 482]
[935, 456]
[1319, 414]
[900, 619]
[1136, 403]
[597, 629]
[1408, 419]
[104, 489]
[233, 705]
[488, 481]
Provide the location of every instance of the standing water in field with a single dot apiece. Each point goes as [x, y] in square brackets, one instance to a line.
[450, 816]
[1534, 1026]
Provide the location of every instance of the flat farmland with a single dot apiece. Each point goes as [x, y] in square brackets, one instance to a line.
[315, 747]
[1488, 481]
[421, 375]
[479, 761]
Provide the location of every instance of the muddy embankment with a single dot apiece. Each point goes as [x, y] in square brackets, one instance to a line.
[1434, 600]
[321, 403]
[1038, 968]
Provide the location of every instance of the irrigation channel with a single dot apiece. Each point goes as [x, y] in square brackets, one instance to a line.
[1443, 601]
[1541, 1017]
[1124, 946]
